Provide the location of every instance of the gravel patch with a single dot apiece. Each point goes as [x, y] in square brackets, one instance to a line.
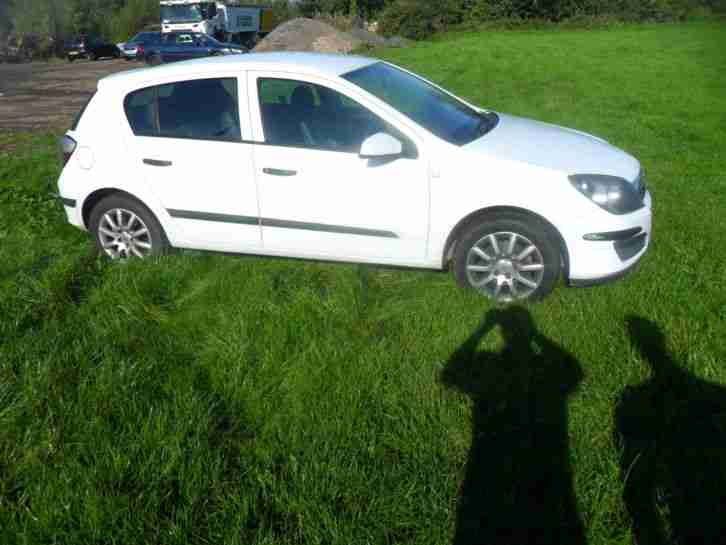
[303, 34]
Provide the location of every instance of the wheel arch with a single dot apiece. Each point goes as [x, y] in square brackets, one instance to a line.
[99, 194]
[485, 213]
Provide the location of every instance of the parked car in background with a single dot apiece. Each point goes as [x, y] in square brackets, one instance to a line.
[14, 49]
[182, 46]
[135, 48]
[345, 158]
[90, 47]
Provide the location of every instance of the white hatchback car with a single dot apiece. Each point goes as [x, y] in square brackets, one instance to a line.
[351, 159]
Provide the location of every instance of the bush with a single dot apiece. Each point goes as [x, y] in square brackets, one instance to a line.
[558, 10]
[283, 11]
[407, 18]
[419, 19]
[131, 18]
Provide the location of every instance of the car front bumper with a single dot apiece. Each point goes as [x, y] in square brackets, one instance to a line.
[615, 251]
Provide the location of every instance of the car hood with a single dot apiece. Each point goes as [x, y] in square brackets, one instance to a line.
[554, 147]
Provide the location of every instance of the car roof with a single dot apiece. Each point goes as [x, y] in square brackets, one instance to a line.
[315, 64]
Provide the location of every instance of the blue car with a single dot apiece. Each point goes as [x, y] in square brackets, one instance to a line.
[181, 46]
[134, 48]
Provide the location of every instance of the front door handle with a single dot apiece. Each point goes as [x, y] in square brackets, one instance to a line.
[279, 172]
[157, 163]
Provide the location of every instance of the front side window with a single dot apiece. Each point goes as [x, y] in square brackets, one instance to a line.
[302, 114]
[205, 109]
[437, 111]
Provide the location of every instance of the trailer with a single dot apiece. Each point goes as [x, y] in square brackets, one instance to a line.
[226, 20]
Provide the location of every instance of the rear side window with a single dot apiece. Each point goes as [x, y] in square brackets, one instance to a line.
[79, 115]
[204, 109]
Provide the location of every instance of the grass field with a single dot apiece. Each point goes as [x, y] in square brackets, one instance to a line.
[212, 399]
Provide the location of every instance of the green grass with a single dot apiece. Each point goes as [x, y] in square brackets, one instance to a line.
[213, 399]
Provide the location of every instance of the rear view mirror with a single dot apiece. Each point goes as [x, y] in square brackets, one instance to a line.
[381, 146]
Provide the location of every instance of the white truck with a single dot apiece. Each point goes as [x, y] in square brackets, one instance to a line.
[226, 20]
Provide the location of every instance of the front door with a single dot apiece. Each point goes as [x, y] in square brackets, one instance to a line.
[188, 144]
[318, 198]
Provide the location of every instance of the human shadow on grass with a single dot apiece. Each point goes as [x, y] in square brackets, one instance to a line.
[671, 431]
[518, 486]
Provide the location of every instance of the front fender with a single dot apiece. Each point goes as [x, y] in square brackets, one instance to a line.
[476, 185]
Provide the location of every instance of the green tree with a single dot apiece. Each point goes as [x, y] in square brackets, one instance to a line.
[133, 17]
[88, 15]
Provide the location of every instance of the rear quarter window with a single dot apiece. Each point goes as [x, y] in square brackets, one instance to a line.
[140, 107]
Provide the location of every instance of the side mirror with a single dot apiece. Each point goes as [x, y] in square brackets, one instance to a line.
[381, 146]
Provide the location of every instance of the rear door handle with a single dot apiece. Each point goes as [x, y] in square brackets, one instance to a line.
[157, 163]
[279, 172]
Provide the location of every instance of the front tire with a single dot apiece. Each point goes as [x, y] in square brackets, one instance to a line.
[124, 228]
[508, 257]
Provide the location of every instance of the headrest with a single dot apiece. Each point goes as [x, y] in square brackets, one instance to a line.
[303, 97]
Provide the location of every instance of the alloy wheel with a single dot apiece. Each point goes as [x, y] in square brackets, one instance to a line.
[123, 234]
[505, 266]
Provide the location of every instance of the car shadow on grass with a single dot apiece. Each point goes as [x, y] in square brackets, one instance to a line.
[671, 432]
[518, 486]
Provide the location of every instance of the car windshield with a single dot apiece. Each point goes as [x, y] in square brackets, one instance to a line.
[437, 111]
[181, 14]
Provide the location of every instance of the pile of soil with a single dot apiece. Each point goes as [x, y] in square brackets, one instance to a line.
[303, 34]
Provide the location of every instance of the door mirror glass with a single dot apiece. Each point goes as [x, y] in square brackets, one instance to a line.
[381, 146]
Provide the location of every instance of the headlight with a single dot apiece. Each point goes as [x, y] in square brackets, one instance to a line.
[616, 195]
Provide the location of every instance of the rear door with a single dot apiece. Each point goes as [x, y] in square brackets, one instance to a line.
[187, 141]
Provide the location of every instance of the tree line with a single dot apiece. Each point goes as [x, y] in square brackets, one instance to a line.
[49, 22]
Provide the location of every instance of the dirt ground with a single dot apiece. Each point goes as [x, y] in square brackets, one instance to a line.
[47, 96]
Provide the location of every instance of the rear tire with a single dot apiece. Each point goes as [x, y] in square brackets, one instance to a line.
[508, 257]
[124, 228]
